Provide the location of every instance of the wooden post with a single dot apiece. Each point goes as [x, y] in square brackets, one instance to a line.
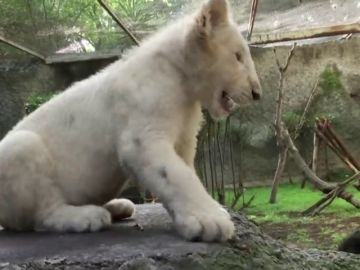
[314, 163]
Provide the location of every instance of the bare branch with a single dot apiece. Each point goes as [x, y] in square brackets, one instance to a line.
[21, 48]
[279, 125]
[254, 5]
[330, 197]
[288, 59]
[118, 21]
[319, 183]
[306, 109]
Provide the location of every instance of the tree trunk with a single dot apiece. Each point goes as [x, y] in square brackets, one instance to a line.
[277, 177]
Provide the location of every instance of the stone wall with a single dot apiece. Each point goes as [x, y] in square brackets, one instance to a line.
[21, 77]
[336, 63]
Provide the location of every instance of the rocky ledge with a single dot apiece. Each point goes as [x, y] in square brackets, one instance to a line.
[148, 242]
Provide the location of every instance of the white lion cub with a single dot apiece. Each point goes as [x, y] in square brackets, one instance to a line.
[61, 165]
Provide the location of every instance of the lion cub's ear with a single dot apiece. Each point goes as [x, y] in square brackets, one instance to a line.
[214, 13]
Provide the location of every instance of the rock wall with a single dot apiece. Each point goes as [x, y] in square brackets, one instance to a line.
[22, 76]
[336, 66]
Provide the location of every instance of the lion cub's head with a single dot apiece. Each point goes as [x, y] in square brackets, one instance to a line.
[221, 60]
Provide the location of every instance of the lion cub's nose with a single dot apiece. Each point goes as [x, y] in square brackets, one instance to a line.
[255, 94]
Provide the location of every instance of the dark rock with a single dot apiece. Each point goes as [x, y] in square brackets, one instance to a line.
[351, 243]
[159, 247]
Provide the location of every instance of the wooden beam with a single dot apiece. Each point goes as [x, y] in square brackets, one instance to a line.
[261, 39]
[80, 57]
[118, 21]
[21, 48]
[68, 58]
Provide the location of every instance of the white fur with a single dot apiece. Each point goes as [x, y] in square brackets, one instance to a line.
[139, 116]
[120, 208]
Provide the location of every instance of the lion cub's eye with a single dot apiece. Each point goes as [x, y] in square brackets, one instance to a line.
[238, 57]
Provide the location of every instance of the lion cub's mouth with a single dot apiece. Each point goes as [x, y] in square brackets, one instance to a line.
[227, 103]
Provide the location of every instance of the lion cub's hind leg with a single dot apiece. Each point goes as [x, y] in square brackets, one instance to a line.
[26, 185]
[68, 218]
[120, 209]
[87, 218]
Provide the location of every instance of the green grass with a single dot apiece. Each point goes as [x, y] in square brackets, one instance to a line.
[284, 221]
[290, 199]
[300, 235]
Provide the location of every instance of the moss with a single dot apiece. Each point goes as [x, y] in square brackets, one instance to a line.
[300, 236]
[330, 79]
[35, 101]
[332, 91]
[291, 119]
[331, 96]
[339, 174]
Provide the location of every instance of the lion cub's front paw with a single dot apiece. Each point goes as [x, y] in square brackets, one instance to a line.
[211, 224]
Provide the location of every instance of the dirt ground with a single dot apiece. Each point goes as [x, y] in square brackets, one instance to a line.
[323, 232]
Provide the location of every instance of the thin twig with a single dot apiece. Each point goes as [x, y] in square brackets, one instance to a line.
[282, 70]
[330, 197]
[342, 146]
[118, 21]
[247, 204]
[279, 125]
[306, 109]
[21, 48]
[218, 189]
[349, 180]
[204, 163]
[315, 155]
[254, 5]
[335, 148]
[318, 203]
[319, 183]
[288, 59]
[209, 123]
[326, 203]
[232, 159]
[236, 199]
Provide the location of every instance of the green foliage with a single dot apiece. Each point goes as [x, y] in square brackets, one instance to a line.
[330, 79]
[240, 134]
[291, 119]
[300, 235]
[285, 221]
[333, 117]
[35, 101]
[332, 88]
[331, 96]
[339, 174]
[291, 198]
[323, 103]
[49, 25]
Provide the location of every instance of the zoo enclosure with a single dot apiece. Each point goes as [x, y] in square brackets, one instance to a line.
[63, 32]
